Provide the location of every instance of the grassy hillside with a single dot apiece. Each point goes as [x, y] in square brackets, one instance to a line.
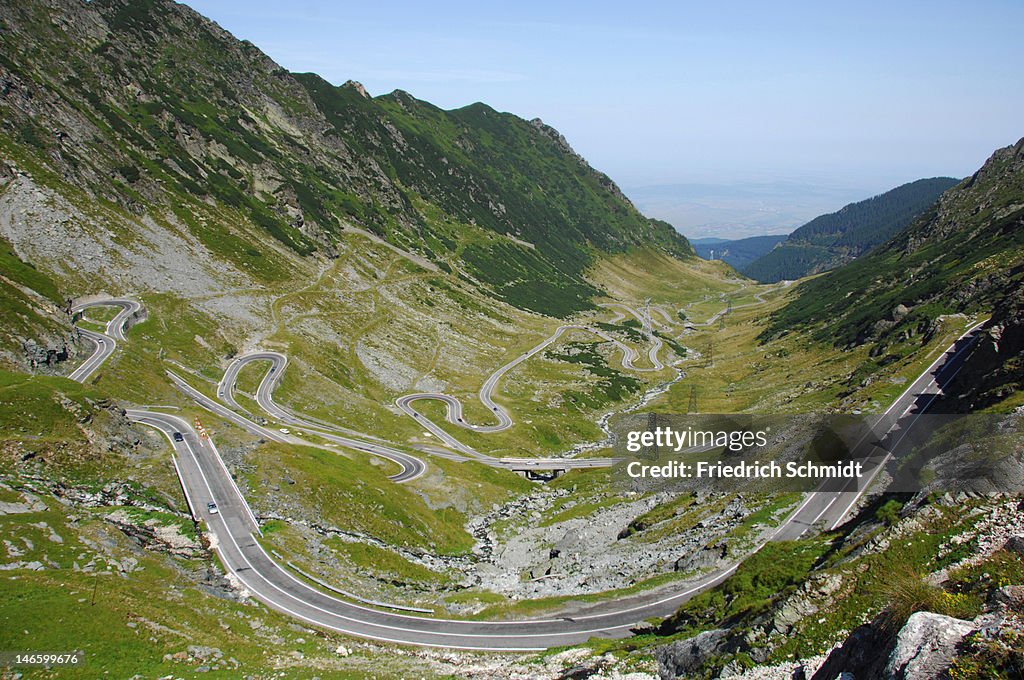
[833, 239]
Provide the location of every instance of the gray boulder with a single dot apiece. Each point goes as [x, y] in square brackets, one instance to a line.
[1009, 597]
[1014, 544]
[708, 556]
[926, 646]
[680, 659]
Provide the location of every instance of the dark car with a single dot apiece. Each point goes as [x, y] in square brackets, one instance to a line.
[178, 437]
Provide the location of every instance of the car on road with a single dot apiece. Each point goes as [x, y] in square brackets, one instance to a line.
[212, 507]
[179, 437]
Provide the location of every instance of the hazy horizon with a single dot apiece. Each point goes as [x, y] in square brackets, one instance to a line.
[844, 101]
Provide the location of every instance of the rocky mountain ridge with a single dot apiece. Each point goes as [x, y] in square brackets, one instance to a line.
[157, 112]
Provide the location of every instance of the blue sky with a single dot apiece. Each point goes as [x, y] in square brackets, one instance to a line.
[862, 95]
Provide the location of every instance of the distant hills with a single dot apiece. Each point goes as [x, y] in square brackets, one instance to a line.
[963, 254]
[739, 252]
[836, 238]
[744, 206]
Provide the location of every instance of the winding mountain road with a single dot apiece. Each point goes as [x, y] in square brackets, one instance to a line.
[758, 300]
[486, 394]
[205, 479]
[105, 343]
[412, 466]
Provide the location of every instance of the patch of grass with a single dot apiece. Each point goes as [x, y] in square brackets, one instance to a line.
[26, 274]
[579, 509]
[907, 592]
[342, 491]
[889, 513]
[43, 408]
[385, 564]
[475, 597]
[772, 511]
[774, 571]
[1002, 568]
[659, 513]
[611, 386]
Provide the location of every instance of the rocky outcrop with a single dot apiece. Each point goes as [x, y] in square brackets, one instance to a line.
[1008, 599]
[926, 646]
[706, 557]
[923, 649]
[994, 370]
[1014, 544]
[156, 535]
[682, 658]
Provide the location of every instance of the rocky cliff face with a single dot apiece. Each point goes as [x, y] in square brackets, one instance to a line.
[995, 370]
[148, 110]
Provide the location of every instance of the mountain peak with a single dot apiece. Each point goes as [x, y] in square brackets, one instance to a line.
[556, 136]
[358, 87]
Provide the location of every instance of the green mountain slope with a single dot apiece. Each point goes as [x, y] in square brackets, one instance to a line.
[966, 254]
[833, 239]
[151, 108]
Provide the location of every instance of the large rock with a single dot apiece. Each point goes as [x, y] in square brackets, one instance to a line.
[680, 659]
[1015, 544]
[923, 650]
[926, 646]
[708, 556]
[1009, 597]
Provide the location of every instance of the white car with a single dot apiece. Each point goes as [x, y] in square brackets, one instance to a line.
[212, 507]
